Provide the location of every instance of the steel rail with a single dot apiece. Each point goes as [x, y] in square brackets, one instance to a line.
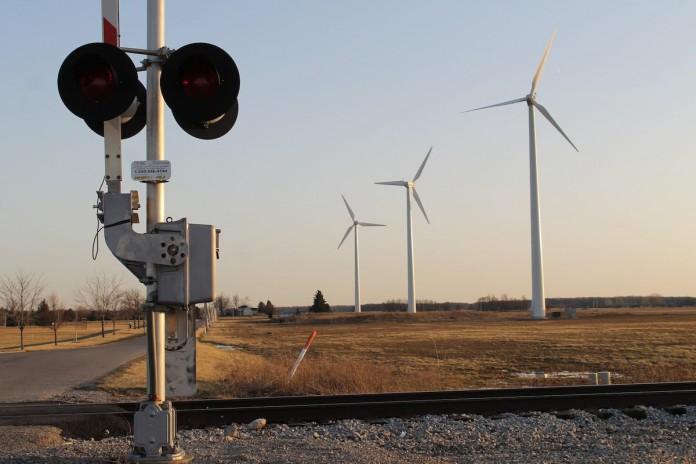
[198, 413]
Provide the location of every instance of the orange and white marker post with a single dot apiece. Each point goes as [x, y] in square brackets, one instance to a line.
[303, 351]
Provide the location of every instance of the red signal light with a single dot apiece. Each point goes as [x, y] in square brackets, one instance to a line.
[199, 78]
[96, 81]
[200, 83]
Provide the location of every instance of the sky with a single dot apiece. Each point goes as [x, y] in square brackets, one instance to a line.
[336, 96]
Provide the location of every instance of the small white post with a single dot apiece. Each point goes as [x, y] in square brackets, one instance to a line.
[604, 378]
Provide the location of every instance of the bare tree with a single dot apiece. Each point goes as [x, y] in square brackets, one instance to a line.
[57, 313]
[236, 301]
[653, 300]
[80, 314]
[101, 293]
[131, 301]
[239, 301]
[221, 302]
[21, 293]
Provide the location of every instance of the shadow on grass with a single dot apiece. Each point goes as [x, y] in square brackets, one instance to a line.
[72, 340]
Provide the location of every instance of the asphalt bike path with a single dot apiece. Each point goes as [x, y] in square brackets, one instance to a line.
[38, 375]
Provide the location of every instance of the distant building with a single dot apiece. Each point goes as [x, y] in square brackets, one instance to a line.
[245, 310]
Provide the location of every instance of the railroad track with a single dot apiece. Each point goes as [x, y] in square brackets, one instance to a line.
[89, 419]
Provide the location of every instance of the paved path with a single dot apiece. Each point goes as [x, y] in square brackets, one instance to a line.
[37, 375]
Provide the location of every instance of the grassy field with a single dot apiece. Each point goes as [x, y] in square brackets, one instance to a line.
[87, 333]
[381, 352]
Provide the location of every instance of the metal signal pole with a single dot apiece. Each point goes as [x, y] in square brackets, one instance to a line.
[155, 196]
[154, 431]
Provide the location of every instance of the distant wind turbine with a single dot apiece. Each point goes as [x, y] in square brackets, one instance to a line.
[538, 298]
[354, 228]
[411, 187]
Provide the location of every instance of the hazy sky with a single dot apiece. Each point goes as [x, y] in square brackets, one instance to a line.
[338, 95]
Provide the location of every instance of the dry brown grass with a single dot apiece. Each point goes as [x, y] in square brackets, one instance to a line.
[471, 349]
[252, 375]
[430, 351]
[88, 334]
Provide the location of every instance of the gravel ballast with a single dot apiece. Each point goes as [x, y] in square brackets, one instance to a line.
[573, 437]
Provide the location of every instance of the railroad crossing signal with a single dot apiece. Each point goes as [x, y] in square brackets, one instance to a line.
[175, 260]
[199, 82]
[98, 82]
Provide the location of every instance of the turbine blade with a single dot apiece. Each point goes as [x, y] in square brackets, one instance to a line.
[345, 237]
[400, 183]
[420, 205]
[350, 211]
[517, 100]
[369, 224]
[546, 114]
[540, 69]
[420, 170]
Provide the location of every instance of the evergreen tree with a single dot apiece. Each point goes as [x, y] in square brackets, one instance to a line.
[43, 315]
[270, 309]
[320, 305]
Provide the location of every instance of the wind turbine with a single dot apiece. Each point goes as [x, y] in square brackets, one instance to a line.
[354, 227]
[411, 187]
[538, 299]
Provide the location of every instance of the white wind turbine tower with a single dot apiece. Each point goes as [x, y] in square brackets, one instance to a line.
[538, 299]
[411, 187]
[354, 228]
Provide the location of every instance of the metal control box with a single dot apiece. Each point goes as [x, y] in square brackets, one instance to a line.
[193, 281]
[202, 263]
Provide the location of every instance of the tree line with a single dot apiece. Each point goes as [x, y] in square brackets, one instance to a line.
[229, 305]
[505, 303]
[24, 302]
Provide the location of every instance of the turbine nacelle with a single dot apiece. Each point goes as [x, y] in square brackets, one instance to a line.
[355, 224]
[411, 184]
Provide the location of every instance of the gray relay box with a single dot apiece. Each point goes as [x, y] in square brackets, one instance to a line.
[193, 281]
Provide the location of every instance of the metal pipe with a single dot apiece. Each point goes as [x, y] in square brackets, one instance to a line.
[152, 52]
[155, 192]
[151, 358]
